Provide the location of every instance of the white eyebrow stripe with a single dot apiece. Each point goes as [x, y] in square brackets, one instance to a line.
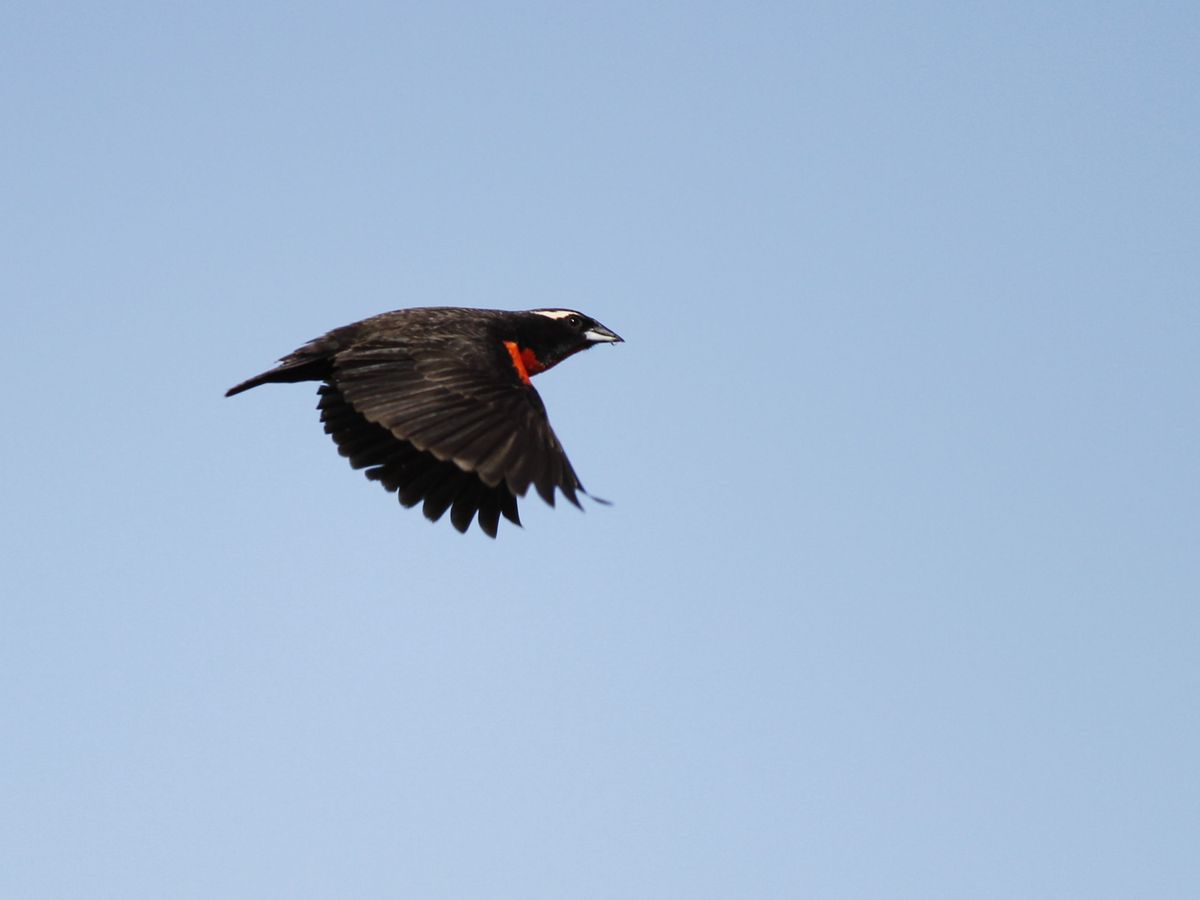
[557, 313]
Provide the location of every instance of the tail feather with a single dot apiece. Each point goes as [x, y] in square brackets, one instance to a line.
[288, 372]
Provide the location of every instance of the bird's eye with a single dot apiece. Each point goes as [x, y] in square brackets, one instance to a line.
[574, 321]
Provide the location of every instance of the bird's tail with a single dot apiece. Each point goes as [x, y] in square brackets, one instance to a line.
[312, 362]
[283, 374]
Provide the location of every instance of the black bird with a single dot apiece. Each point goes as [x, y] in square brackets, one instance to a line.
[437, 405]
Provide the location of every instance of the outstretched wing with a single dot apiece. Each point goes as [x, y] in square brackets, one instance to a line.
[414, 475]
[465, 431]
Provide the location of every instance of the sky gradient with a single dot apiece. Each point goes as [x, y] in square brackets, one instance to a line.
[897, 596]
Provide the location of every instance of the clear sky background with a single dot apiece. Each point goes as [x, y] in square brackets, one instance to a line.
[898, 596]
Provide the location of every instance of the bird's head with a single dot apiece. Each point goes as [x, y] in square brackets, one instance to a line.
[551, 335]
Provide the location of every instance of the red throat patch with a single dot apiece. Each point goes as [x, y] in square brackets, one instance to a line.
[524, 360]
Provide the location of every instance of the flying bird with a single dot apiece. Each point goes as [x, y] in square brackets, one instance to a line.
[437, 405]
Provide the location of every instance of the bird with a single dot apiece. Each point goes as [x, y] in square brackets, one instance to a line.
[437, 404]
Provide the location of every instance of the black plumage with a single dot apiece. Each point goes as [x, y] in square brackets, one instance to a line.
[436, 404]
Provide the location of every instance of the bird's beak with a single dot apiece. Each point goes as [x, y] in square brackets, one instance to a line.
[598, 334]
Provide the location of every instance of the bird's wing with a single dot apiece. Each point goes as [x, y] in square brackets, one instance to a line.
[474, 412]
[414, 475]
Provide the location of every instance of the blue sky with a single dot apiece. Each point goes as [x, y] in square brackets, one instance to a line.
[898, 594]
